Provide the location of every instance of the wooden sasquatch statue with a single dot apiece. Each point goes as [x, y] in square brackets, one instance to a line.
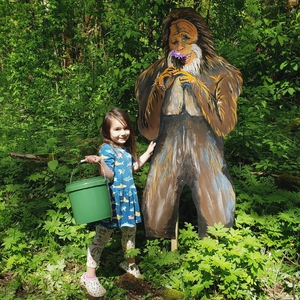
[187, 103]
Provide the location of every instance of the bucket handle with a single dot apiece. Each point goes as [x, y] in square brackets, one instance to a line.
[84, 161]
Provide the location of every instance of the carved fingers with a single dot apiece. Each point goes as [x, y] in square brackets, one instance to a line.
[185, 77]
[165, 79]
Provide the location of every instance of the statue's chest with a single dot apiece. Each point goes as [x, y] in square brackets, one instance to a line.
[180, 98]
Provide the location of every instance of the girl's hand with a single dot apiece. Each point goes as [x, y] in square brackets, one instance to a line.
[93, 159]
[151, 148]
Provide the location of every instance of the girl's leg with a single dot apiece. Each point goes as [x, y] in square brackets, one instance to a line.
[128, 242]
[89, 279]
[94, 251]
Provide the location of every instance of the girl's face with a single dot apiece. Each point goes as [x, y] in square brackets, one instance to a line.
[119, 132]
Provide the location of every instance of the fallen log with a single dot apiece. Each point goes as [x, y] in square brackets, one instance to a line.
[32, 157]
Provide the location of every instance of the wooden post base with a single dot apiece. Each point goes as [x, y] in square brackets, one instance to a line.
[174, 242]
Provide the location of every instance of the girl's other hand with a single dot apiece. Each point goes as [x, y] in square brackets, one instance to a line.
[93, 159]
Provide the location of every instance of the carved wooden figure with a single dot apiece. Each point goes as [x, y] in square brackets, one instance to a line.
[187, 103]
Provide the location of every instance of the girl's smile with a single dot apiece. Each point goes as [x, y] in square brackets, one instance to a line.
[119, 132]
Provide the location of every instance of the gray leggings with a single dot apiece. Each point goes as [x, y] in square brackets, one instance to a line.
[102, 237]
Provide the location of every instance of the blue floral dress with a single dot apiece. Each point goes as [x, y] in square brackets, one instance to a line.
[124, 199]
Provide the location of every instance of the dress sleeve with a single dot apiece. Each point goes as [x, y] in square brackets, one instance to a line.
[108, 155]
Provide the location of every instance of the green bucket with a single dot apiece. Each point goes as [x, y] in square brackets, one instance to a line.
[90, 199]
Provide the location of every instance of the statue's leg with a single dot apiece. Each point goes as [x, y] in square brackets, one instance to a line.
[163, 187]
[211, 186]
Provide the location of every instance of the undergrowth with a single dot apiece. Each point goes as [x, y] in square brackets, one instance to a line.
[43, 251]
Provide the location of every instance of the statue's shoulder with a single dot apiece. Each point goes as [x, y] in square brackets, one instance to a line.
[220, 67]
[156, 68]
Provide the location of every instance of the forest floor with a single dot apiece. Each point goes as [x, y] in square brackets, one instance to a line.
[136, 288]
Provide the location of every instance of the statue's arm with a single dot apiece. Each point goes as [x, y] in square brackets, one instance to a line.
[217, 96]
[221, 111]
[150, 90]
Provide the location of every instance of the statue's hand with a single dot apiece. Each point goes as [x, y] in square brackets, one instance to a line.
[166, 78]
[185, 77]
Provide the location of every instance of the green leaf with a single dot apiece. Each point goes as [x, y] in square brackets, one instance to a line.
[192, 276]
[291, 91]
[283, 65]
[220, 261]
[218, 230]
[280, 40]
[193, 255]
[296, 67]
[53, 165]
[128, 33]
[197, 288]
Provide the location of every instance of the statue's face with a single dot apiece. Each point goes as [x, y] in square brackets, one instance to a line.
[183, 35]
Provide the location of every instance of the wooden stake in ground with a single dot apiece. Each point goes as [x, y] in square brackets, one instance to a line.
[174, 242]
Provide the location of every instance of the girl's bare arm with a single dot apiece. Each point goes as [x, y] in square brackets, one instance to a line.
[144, 157]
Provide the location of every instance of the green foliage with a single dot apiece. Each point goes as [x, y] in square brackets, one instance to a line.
[250, 261]
[226, 263]
[63, 64]
[269, 60]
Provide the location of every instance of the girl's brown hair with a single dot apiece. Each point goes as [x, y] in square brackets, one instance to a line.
[121, 116]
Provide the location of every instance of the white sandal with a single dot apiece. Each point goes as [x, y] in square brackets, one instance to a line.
[93, 286]
[131, 269]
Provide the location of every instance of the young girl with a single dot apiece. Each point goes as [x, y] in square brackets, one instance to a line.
[117, 159]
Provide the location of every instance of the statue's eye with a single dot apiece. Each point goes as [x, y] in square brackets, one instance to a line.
[185, 38]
